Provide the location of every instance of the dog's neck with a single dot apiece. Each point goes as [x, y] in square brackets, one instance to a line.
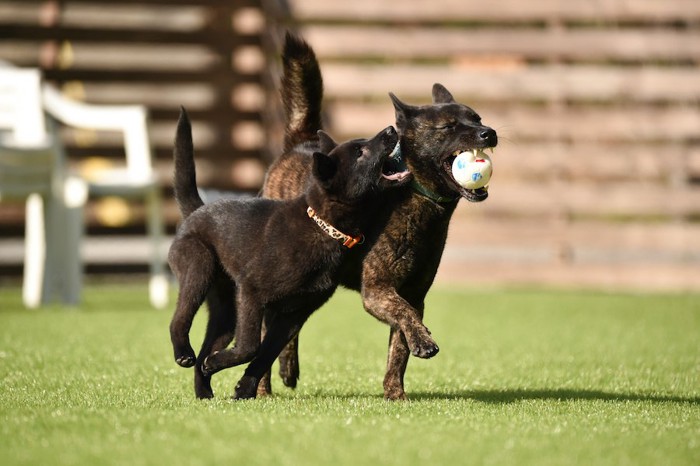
[347, 240]
[350, 219]
[422, 187]
[432, 195]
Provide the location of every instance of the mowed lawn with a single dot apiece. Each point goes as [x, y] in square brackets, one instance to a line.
[523, 378]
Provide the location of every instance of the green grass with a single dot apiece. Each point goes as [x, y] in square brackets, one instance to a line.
[523, 377]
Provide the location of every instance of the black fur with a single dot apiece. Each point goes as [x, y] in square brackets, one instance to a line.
[283, 265]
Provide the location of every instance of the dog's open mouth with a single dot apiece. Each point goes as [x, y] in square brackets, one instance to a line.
[395, 169]
[472, 195]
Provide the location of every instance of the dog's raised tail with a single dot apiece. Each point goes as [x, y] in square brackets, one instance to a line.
[185, 180]
[302, 91]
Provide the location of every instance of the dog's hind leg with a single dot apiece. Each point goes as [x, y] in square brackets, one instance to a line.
[289, 368]
[221, 301]
[289, 363]
[193, 264]
[281, 328]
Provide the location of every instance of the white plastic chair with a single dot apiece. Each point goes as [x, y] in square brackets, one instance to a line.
[135, 180]
[32, 170]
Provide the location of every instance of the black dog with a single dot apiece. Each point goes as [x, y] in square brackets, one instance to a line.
[396, 269]
[282, 255]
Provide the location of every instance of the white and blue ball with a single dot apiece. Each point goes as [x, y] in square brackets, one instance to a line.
[472, 169]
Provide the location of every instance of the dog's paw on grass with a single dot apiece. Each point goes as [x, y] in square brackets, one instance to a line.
[246, 388]
[185, 361]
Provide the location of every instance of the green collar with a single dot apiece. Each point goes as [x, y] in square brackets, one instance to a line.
[420, 189]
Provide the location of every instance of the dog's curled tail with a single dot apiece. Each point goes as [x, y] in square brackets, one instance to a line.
[302, 91]
[185, 180]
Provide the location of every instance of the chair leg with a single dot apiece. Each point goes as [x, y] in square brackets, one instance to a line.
[34, 281]
[55, 240]
[158, 283]
[75, 197]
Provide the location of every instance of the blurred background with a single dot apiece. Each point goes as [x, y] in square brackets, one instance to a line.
[597, 105]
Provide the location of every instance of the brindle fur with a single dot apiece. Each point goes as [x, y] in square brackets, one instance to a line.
[397, 266]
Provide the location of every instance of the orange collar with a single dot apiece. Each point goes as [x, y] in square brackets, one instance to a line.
[348, 241]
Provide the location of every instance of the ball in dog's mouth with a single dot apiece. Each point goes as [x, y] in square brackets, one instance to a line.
[472, 195]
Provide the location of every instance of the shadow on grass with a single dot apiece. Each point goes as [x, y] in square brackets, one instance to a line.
[511, 396]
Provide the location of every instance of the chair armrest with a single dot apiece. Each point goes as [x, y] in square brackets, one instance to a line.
[131, 120]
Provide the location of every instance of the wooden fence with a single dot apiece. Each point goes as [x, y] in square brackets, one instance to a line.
[597, 107]
[209, 55]
[597, 173]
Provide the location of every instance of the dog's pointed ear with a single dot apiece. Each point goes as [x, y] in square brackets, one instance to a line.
[324, 168]
[326, 143]
[441, 95]
[403, 111]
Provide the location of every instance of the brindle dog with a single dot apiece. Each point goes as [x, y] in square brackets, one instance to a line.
[396, 268]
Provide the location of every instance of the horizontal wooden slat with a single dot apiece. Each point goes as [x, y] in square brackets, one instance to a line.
[141, 3]
[624, 200]
[517, 122]
[360, 41]
[645, 278]
[135, 76]
[161, 133]
[541, 82]
[123, 35]
[591, 161]
[673, 238]
[194, 96]
[497, 10]
[218, 155]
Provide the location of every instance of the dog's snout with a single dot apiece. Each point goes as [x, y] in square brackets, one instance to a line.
[489, 136]
[390, 131]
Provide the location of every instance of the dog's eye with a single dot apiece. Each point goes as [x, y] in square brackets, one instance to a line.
[361, 151]
[449, 125]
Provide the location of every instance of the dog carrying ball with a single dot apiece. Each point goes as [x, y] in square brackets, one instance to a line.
[472, 169]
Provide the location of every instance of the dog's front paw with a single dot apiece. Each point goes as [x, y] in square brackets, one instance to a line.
[185, 361]
[424, 348]
[426, 352]
[184, 356]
